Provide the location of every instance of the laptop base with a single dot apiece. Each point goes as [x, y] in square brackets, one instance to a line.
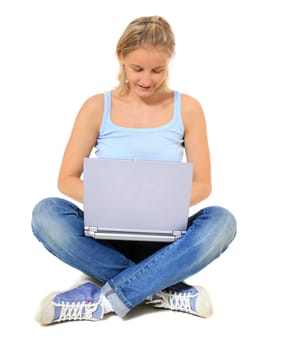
[133, 236]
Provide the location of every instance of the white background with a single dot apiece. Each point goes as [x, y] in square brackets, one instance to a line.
[230, 56]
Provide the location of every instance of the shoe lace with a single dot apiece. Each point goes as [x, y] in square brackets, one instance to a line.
[181, 301]
[76, 311]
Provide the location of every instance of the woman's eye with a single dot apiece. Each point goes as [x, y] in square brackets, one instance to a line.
[157, 71]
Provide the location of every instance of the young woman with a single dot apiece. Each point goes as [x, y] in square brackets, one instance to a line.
[142, 118]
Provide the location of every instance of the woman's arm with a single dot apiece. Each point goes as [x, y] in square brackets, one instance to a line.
[197, 148]
[82, 139]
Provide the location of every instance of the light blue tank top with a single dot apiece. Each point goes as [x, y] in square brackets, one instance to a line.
[163, 143]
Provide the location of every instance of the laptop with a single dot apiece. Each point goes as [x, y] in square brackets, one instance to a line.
[136, 200]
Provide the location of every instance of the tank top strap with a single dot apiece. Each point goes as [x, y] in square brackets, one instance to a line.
[177, 114]
[107, 111]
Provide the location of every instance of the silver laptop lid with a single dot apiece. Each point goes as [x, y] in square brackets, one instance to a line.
[136, 195]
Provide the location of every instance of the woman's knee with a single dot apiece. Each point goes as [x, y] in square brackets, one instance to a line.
[226, 221]
[44, 208]
[44, 213]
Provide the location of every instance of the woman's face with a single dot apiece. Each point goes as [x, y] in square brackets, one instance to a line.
[146, 69]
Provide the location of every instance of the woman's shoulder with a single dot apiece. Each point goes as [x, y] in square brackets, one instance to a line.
[189, 101]
[94, 102]
[91, 110]
[191, 109]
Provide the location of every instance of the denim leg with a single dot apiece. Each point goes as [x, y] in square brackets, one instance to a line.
[58, 224]
[210, 232]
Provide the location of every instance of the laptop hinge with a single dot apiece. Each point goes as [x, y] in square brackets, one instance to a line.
[90, 231]
[178, 233]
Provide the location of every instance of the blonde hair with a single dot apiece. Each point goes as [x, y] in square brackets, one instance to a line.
[151, 31]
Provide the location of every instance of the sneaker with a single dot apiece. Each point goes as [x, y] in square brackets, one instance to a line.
[81, 302]
[182, 297]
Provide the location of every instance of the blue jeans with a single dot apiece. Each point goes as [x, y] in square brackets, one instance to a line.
[131, 271]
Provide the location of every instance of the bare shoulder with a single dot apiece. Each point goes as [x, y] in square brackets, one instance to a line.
[94, 104]
[91, 111]
[191, 106]
[192, 111]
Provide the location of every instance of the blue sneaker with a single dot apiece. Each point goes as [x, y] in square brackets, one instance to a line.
[182, 297]
[81, 302]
